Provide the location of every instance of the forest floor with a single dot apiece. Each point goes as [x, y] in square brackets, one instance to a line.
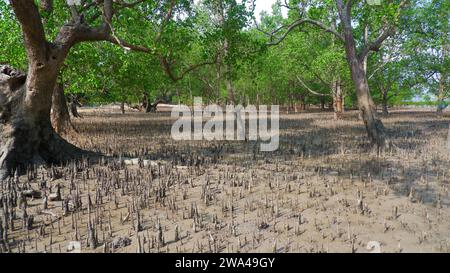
[324, 190]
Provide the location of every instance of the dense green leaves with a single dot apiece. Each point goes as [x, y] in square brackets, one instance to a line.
[411, 66]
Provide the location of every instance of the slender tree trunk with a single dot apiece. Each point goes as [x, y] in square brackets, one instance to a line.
[442, 91]
[443, 84]
[338, 107]
[336, 90]
[374, 127]
[258, 102]
[220, 13]
[303, 102]
[322, 103]
[441, 97]
[74, 107]
[385, 101]
[153, 107]
[122, 107]
[149, 106]
[385, 108]
[338, 100]
[218, 78]
[60, 116]
[229, 85]
[145, 102]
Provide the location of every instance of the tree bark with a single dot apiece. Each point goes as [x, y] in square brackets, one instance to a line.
[144, 102]
[218, 79]
[74, 107]
[224, 56]
[443, 83]
[440, 107]
[152, 107]
[26, 133]
[385, 102]
[374, 126]
[27, 136]
[60, 116]
[122, 107]
[385, 108]
[441, 96]
[229, 85]
[338, 99]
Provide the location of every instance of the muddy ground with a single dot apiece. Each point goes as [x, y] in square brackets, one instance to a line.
[324, 190]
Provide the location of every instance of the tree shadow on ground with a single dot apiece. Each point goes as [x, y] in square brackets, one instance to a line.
[306, 136]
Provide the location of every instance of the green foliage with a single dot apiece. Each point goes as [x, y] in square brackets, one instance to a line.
[409, 65]
[11, 50]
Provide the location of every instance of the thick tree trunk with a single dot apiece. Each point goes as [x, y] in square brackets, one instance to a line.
[27, 136]
[60, 116]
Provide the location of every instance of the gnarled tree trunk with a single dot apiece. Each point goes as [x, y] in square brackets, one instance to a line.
[26, 133]
[27, 136]
[60, 116]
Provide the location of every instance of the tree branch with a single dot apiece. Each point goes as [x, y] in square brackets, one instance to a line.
[386, 33]
[382, 65]
[300, 22]
[310, 90]
[165, 21]
[168, 69]
[376, 44]
[27, 14]
[79, 31]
